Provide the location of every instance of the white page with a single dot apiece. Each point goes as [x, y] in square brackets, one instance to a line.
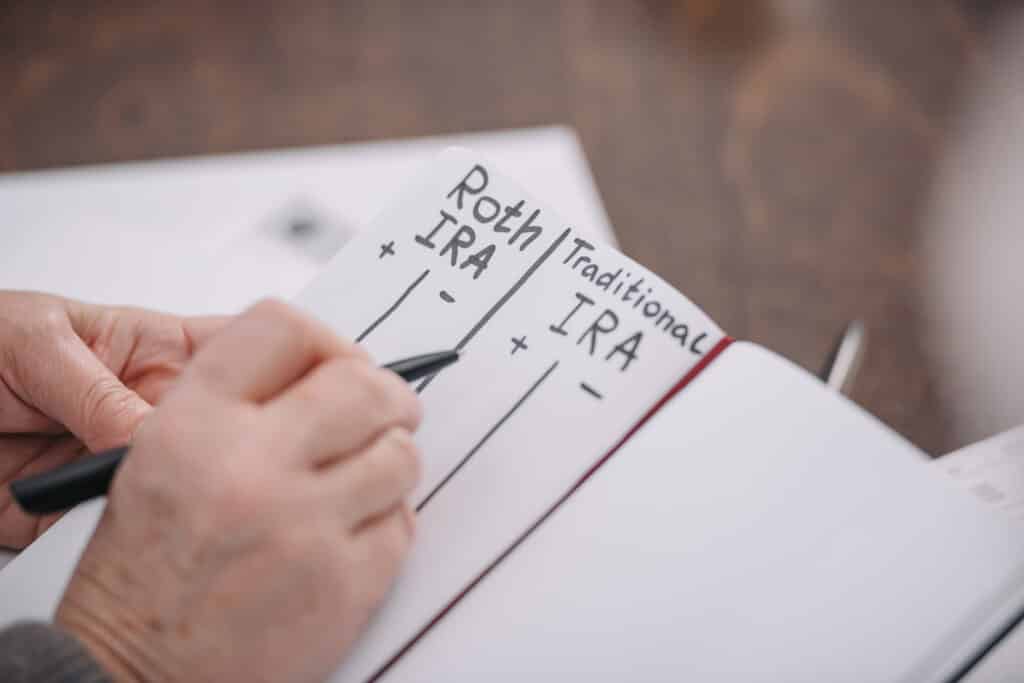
[758, 528]
[525, 422]
[209, 234]
[32, 583]
[206, 235]
[991, 470]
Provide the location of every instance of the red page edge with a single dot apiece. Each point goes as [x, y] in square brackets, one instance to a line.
[676, 388]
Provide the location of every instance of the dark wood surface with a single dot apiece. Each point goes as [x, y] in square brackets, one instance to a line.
[770, 163]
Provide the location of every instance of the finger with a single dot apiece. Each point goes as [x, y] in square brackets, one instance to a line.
[384, 542]
[124, 329]
[31, 455]
[201, 329]
[342, 405]
[146, 349]
[18, 417]
[375, 480]
[69, 384]
[264, 350]
[160, 355]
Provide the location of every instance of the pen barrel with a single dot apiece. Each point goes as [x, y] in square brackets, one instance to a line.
[90, 477]
[68, 485]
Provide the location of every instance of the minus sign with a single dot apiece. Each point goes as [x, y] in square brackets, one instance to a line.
[590, 390]
[447, 297]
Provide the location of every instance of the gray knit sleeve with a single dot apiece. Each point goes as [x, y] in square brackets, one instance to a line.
[34, 652]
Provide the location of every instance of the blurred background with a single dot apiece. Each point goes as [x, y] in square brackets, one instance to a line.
[774, 160]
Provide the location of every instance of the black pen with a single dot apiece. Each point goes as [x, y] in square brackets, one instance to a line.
[90, 477]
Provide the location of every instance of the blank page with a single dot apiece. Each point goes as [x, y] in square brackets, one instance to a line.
[758, 528]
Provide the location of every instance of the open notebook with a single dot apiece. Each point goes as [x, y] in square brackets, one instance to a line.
[613, 488]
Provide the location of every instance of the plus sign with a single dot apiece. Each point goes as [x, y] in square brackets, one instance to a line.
[518, 343]
[386, 249]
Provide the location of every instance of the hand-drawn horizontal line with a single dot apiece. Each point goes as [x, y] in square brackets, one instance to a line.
[590, 390]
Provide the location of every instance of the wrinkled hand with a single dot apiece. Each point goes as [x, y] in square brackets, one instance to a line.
[75, 378]
[260, 516]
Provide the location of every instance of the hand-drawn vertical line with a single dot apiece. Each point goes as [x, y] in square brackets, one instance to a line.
[503, 300]
[706, 360]
[392, 307]
[488, 435]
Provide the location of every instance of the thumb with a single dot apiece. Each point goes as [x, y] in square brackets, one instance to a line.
[73, 387]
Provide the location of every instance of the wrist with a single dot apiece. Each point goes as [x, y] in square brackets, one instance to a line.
[106, 654]
[103, 616]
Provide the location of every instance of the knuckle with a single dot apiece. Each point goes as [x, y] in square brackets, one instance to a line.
[272, 309]
[357, 351]
[412, 408]
[359, 584]
[387, 549]
[359, 372]
[405, 457]
[103, 397]
[408, 515]
[399, 404]
[288, 317]
[367, 567]
[383, 398]
[372, 390]
[49, 327]
[313, 397]
[53, 321]
[396, 542]
[277, 317]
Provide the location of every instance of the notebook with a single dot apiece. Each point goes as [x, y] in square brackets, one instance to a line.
[992, 471]
[614, 488]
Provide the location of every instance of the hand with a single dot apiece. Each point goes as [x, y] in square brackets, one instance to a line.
[75, 377]
[260, 516]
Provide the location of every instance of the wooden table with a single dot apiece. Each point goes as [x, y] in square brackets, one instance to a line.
[770, 163]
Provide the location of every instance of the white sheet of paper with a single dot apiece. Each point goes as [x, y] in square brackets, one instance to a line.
[208, 235]
[536, 399]
[762, 530]
[992, 471]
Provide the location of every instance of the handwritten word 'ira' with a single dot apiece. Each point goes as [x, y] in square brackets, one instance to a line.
[594, 335]
[458, 240]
